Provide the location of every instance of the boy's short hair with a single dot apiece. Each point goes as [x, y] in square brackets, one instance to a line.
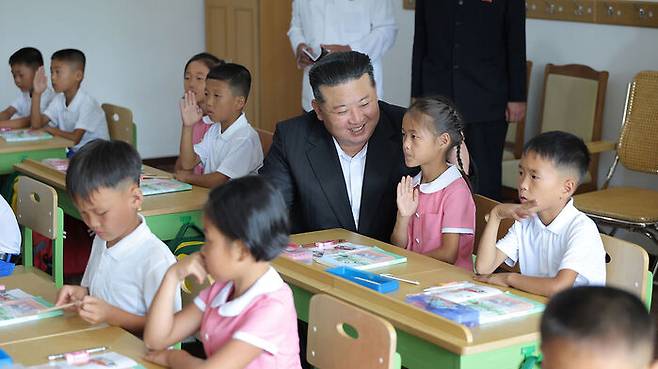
[208, 59]
[603, 316]
[251, 210]
[73, 57]
[102, 164]
[563, 149]
[337, 68]
[28, 56]
[236, 75]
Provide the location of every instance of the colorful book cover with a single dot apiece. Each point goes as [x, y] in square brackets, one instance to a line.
[362, 259]
[22, 135]
[17, 306]
[450, 310]
[97, 361]
[154, 186]
[60, 164]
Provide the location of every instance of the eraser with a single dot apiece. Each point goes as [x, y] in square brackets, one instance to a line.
[76, 358]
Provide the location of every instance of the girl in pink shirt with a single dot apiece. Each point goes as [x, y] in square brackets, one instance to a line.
[246, 318]
[194, 79]
[436, 211]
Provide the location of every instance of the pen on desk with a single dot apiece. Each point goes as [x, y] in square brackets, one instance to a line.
[153, 176]
[92, 350]
[367, 280]
[391, 276]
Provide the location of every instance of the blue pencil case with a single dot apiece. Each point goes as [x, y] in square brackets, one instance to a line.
[366, 279]
[6, 268]
[5, 360]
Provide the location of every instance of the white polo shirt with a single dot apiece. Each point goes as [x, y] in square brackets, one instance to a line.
[10, 235]
[128, 274]
[23, 103]
[353, 168]
[235, 152]
[571, 241]
[82, 113]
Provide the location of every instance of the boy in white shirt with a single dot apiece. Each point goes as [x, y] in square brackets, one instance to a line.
[556, 245]
[10, 234]
[24, 63]
[231, 147]
[127, 261]
[72, 113]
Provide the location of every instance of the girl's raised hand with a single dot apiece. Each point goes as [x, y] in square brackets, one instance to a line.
[190, 265]
[407, 197]
[190, 111]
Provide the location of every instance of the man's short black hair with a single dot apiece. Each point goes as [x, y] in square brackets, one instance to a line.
[208, 59]
[338, 68]
[250, 210]
[563, 149]
[236, 75]
[604, 315]
[28, 56]
[74, 57]
[102, 164]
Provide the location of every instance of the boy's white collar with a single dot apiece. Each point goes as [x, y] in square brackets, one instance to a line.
[269, 282]
[444, 180]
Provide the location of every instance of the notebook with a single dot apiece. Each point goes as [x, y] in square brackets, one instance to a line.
[155, 186]
[17, 306]
[60, 164]
[22, 135]
[362, 258]
[472, 304]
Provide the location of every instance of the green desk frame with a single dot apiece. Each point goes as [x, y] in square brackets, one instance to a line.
[7, 160]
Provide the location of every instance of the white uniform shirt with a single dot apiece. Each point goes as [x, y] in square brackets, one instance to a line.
[235, 152]
[353, 172]
[10, 234]
[82, 113]
[128, 274]
[571, 241]
[367, 26]
[23, 103]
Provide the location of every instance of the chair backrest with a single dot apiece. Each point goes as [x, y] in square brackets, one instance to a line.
[37, 207]
[639, 135]
[627, 265]
[120, 123]
[330, 336]
[483, 206]
[265, 140]
[515, 134]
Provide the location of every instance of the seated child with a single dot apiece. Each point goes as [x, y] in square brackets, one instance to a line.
[24, 64]
[597, 327]
[231, 147]
[436, 211]
[72, 113]
[246, 318]
[127, 261]
[194, 80]
[10, 234]
[556, 245]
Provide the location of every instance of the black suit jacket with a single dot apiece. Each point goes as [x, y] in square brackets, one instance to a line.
[472, 51]
[303, 164]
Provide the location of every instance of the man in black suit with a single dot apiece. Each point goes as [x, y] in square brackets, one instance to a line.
[473, 51]
[338, 166]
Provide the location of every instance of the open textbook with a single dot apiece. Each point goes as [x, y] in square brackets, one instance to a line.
[17, 306]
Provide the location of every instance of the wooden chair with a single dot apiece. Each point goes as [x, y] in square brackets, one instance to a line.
[627, 267]
[341, 335]
[37, 210]
[631, 208]
[573, 101]
[515, 133]
[120, 123]
[265, 140]
[483, 206]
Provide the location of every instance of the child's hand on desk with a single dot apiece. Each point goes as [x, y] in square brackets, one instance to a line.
[514, 211]
[407, 197]
[160, 357]
[94, 310]
[69, 294]
[190, 265]
[182, 175]
[40, 82]
[190, 111]
[499, 279]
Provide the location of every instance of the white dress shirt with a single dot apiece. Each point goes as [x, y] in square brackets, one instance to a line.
[23, 103]
[353, 168]
[83, 112]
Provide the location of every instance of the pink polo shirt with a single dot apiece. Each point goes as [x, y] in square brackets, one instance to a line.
[445, 205]
[199, 130]
[264, 316]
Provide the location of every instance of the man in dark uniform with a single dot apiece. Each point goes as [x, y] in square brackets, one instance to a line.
[473, 51]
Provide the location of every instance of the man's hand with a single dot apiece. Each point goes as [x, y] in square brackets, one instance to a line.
[333, 48]
[303, 60]
[515, 111]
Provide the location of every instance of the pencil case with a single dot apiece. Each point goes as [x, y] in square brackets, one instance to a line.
[366, 279]
[6, 268]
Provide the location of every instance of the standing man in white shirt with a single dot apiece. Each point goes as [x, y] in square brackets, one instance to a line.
[367, 26]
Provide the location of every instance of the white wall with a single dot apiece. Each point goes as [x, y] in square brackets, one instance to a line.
[136, 51]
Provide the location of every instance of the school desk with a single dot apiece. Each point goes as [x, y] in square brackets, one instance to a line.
[164, 213]
[425, 340]
[15, 152]
[115, 339]
[38, 283]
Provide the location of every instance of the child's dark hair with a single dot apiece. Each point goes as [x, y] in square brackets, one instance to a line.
[208, 59]
[102, 164]
[337, 68]
[604, 315]
[28, 56]
[251, 210]
[236, 75]
[563, 149]
[74, 57]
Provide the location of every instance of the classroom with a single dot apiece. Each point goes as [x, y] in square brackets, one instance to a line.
[347, 183]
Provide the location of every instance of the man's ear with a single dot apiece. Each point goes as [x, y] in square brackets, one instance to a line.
[318, 110]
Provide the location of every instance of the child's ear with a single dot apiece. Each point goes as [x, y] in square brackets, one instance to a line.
[136, 197]
[318, 110]
[79, 75]
[569, 186]
[240, 250]
[444, 139]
